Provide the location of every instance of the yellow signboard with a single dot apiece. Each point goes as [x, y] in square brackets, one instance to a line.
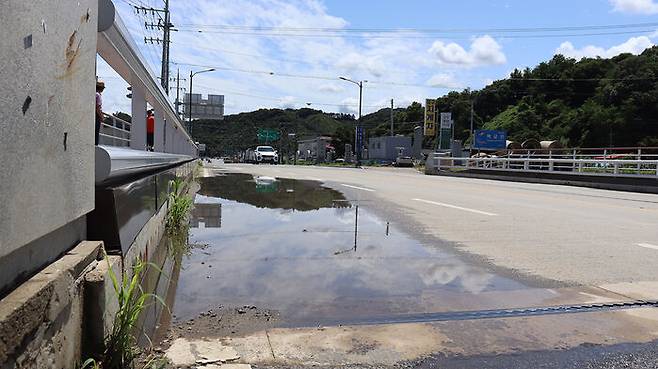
[430, 118]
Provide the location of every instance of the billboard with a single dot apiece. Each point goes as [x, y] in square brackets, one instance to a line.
[430, 118]
[490, 140]
[446, 120]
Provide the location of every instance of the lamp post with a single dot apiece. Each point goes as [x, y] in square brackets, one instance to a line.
[192, 74]
[358, 126]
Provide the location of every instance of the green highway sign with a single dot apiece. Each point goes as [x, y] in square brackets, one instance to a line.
[268, 135]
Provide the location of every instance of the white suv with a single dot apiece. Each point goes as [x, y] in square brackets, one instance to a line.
[266, 154]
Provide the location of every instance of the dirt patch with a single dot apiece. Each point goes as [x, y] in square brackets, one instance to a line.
[219, 322]
[225, 321]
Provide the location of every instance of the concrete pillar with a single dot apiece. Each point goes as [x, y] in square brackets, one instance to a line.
[138, 113]
[158, 135]
[175, 141]
[169, 138]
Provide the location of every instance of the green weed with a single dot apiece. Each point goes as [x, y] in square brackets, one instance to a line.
[121, 344]
[179, 208]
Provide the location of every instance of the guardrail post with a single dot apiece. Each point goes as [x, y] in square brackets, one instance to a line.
[639, 163]
[573, 166]
[526, 164]
[138, 113]
[616, 168]
[550, 165]
[158, 134]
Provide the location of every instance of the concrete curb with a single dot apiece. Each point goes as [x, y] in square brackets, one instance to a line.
[40, 321]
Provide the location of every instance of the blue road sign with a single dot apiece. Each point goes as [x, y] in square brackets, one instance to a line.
[359, 138]
[490, 140]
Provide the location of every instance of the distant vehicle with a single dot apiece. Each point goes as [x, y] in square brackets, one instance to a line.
[340, 160]
[262, 154]
[404, 161]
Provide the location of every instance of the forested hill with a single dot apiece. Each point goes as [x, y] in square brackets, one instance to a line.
[587, 103]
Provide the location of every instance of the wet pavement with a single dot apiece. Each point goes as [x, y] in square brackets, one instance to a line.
[273, 274]
[289, 246]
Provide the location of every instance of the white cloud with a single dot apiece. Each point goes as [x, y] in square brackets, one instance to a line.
[635, 6]
[355, 62]
[331, 87]
[288, 102]
[483, 51]
[402, 64]
[634, 45]
[443, 80]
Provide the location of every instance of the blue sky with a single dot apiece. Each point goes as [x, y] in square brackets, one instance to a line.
[400, 64]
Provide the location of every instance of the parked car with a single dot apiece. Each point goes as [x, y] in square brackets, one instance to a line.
[404, 161]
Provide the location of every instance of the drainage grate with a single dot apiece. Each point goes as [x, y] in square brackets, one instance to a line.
[502, 313]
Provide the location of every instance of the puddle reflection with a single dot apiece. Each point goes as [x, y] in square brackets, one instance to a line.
[287, 245]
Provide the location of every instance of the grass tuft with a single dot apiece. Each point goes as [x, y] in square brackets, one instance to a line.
[121, 344]
[179, 208]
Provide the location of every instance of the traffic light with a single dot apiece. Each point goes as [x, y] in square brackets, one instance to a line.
[130, 95]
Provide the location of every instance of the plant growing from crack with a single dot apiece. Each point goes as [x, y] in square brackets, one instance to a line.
[179, 208]
[121, 344]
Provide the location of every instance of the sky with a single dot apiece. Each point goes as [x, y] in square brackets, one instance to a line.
[290, 53]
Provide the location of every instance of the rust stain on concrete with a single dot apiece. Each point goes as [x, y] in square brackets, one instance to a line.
[72, 49]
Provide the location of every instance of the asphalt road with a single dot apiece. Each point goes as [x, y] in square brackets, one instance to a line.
[567, 234]
[583, 245]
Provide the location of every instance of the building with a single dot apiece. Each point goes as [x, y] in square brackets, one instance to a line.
[210, 215]
[386, 148]
[210, 108]
[317, 149]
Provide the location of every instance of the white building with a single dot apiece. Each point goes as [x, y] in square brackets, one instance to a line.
[210, 108]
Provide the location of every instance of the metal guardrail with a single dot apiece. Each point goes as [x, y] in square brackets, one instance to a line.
[114, 131]
[116, 46]
[114, 163]
[602, 167]
[616, 153]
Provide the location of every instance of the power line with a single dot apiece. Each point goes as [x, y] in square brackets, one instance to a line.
[283, 100]
[425, 30]
[415, 36]
[302, 76]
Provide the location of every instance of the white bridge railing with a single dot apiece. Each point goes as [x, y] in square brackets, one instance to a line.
[597, 167]
[114, 132]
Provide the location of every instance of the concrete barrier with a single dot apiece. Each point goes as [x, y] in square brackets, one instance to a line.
[40, 321]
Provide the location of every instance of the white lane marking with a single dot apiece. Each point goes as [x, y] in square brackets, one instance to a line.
[648, 246]
[358, 188]
[456, 207]
[315, 179]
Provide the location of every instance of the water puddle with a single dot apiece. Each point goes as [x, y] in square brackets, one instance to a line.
[289, 245]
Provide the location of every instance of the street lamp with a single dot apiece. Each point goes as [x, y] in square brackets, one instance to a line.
[358, 126]
[192, 74]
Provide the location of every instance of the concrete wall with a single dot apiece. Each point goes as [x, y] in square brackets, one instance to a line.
[385, 147]
[47, 123]
[60, 316]
[314, 149]
[40, 322]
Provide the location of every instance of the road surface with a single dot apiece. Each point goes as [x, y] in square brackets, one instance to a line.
[568, 245]
[572, 235]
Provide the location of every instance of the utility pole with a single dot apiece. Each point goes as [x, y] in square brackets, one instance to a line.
[392, 134]
[472, 110]
[358, 148]
[166, 27]
[178, 89]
